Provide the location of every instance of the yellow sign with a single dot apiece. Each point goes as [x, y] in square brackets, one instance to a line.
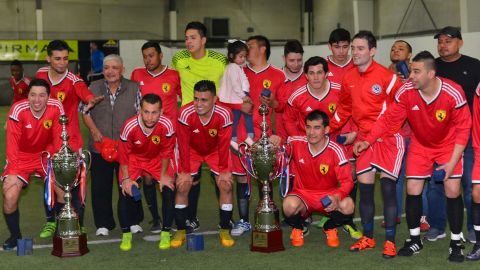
[166, 87]
[324, 168]
[31, 50]
[212, 132]
[47, 124]
[440, 115]
[332, 107]
[155, 139]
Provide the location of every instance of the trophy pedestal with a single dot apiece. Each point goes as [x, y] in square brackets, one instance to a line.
[267, 241]
[70, 247]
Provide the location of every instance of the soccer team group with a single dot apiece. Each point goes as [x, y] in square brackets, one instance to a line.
[346, 117]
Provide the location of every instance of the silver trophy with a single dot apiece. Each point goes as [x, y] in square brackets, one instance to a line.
[66, 169]
[265, 162]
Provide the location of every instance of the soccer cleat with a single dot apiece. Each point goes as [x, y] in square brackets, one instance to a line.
[136, 229]
[241, 227]
[192, 225]
[410, 247]
[101, 232]
[352, 231]
[225, 238]
[471, 236]
[389, 250]
[164, 240]
[322, 221]
[456, 252]
[179, 239]
[48, 229]
[11, 242]
[156, 226]
[475, 254]
[296, 238]
[433, 234]
[424, 226]
[363, 243]
[332, 237]
[126, 243]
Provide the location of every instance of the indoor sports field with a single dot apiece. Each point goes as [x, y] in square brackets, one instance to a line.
[105, 253]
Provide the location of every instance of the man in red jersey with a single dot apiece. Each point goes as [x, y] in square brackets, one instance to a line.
[18, 81]
[69, 89]
[204, 134]
[474, 255]
[339, 62]
[365, 93]
[163, 81]
[322, 180]
[146, 149]
[440, 120]
[32, 128]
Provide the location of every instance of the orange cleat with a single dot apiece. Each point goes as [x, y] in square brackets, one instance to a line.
[332, 237]
[296, 238]
[389, 250]
[363, 243]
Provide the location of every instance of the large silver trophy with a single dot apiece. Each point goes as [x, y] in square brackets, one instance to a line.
[66, 169]
[265, 162]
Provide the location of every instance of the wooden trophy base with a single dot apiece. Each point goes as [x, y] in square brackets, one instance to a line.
[70, 247]
[267, 241]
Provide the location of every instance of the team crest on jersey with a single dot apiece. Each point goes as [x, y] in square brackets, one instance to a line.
[20, 90]
[440, 115]
[47, 124]
[155, 139]
[376, 89]
[332, 107]
[212, 132]
[323, 169]
[61, 96]
[267, 84]
[166, 87]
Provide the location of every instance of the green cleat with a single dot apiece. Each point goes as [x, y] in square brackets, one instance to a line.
[164, 240]
[48, 229]
[352, 231]
[126, 244]
[322, 221]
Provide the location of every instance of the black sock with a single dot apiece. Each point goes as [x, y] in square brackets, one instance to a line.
[150, 192]
[367, 208]
[455, 214]
[413, 211]
[389, 192]
[476, 220]
[193, 197]
[225, 217]
[335, 219]
[295, 221]
[49, 214]
[243, 201]
[168, 208]
[13, 223]
[181, 217]
[348, 219]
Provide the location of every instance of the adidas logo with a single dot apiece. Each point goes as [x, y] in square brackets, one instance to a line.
[415, 108]
[309, 109]
[28, 126]
[141, 83]
[196, 131]
[329, 74]
[301, 161]
[137, 142]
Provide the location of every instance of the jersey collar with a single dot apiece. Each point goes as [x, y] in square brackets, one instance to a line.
[321, 151]
[330, 59]
[260, 71]
[158, 74]
[439, 89]
[324, 94]
[59, 81]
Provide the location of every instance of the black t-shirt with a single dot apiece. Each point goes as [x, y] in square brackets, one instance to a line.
[465, 71]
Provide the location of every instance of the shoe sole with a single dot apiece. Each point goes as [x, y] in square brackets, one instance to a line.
[440, 236]
[358, 250]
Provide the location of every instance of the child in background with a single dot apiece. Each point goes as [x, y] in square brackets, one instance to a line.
[234, 88]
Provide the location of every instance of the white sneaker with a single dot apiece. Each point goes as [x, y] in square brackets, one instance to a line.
[240, 228]
[101, 232]
[136, 229]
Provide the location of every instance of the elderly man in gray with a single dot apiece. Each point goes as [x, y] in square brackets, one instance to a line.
[104, 121]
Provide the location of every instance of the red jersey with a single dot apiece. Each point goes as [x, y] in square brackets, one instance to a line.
[137, 144]
[27, 134]
[476, 122]
[364, 96]
[326, 171]
[436, 124]
[19, 88]
[70, 90]
[204, 138]
[336, 72]
[270, 78]
[165, 84]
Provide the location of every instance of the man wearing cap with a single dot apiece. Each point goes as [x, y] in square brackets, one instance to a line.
[104, 121]
[465, 71]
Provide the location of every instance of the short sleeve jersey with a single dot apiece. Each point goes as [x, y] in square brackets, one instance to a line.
[19, 88]
[336, 72]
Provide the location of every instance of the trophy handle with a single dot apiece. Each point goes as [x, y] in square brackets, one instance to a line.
[47, 154]
[243, 151]
[87, 158]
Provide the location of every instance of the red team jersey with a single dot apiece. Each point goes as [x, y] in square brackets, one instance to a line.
[141, 150]
[476, 136]
[198, 139]
[336, 72]
[28, 136]
[70, 90]
[19, 88]
[165, 84]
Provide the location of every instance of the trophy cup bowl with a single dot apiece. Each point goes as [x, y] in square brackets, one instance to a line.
[67, 167]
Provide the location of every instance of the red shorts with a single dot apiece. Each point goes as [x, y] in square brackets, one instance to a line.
[476, 170]
[420, 161]
[26, 165]
[311, 199]
[235, 165]
[196, 161]
[385, 156]
[153, 168]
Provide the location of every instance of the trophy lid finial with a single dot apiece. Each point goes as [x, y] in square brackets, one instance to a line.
[63, 119]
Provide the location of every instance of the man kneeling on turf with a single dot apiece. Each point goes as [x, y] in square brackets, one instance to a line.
[146, 149]
[322, 180]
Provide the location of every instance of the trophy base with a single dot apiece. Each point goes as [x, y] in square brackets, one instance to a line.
[267, 241]
[70, 247]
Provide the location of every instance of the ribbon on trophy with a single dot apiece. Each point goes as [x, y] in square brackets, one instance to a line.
[49, 187]
[82, 175]
[284, 171]
[248, 159]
